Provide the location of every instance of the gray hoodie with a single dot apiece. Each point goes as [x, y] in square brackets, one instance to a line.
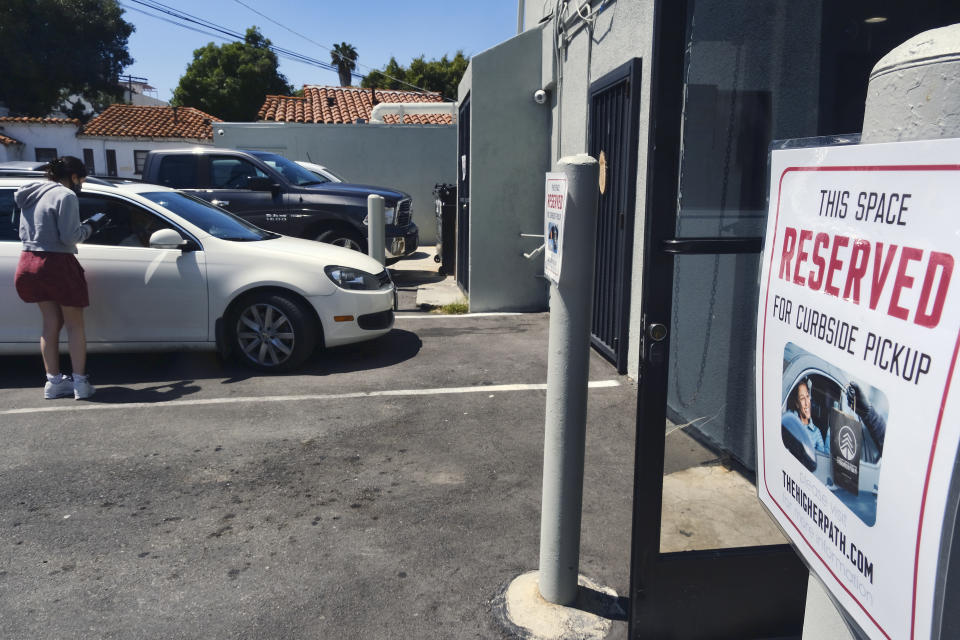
[50, 218]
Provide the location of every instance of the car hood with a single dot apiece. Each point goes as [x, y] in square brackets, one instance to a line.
[285, 247]
[354, 190]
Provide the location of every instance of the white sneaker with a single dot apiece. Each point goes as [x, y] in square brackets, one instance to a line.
[82, 389]
[60, 387]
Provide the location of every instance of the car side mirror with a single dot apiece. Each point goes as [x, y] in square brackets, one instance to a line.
[258, 183]
[798, 441]
[167, 239]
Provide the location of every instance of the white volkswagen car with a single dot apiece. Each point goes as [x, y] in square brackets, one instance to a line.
[172, 271]
[320, 171]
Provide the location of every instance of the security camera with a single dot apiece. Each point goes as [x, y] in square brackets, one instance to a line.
[219, 132]
[540, 96]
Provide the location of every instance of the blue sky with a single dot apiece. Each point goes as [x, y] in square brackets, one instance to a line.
[378, 29]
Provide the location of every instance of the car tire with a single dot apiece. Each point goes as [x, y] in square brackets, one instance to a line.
[271, 332]
[347, 238]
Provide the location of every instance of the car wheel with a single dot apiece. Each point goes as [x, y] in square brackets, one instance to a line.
[346, 238]
[272, 332]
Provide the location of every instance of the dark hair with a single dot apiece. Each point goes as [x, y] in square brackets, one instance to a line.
[795, 394]
[64, 167]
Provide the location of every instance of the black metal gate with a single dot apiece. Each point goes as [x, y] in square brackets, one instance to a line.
[614, 115]
[463, 196]
[747, 592]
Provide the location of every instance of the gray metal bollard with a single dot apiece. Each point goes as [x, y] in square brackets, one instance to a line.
[571, 305]
[376, 221]
[914, 94]
[914, 91]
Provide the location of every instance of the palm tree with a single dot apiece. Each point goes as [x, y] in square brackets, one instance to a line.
[344, 58]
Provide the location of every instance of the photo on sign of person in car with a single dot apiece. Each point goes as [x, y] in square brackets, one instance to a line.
[834, 426]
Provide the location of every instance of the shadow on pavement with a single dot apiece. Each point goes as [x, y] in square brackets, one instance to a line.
[159, 393]
[413, 278]
[602, 604]
[112, 372]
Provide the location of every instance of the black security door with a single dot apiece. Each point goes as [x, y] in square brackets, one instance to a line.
[463, 196]
[614, 115]
[728, 77]
[710, 127]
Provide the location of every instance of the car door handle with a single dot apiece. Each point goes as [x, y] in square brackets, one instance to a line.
[219, 203]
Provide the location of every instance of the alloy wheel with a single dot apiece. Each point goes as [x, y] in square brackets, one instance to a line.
[347, 243]
[265, 334]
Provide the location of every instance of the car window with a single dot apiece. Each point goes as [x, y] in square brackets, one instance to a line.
[290, 170]
[129, 225]
[232, 173]
[9, 217]
[178, 172]
[319, 177]
[204, 215]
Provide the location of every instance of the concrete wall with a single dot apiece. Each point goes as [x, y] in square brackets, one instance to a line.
[509, 155]
[411, 158]
[623, 30]
[64, 138]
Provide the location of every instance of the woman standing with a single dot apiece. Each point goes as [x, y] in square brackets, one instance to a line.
[50, 275]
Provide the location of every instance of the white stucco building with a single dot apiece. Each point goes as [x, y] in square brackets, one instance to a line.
[112, 144]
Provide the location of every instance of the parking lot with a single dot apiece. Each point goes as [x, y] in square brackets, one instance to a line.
[389, 489]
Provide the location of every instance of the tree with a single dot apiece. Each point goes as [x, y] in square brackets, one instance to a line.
[344, 58]
[442, 76]
[230, 81]
[53, 48]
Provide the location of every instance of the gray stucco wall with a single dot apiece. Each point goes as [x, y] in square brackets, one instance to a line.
[411, 158]
[509, 154]
[623, 30]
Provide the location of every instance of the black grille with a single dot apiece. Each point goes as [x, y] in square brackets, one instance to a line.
[384, 279]
[376, 321]
[403, 213]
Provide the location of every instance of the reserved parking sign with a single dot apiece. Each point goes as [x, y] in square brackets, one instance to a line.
[554, 209]
[858, 333]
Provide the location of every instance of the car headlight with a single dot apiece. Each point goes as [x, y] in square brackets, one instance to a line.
[350, 278]
[389, 215]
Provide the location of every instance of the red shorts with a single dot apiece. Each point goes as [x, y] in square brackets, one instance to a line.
[47, 276]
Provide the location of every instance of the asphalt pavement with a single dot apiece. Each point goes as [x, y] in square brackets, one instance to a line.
[390, 489]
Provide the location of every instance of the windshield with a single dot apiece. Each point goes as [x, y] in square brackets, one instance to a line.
[290, 170]
[214, 221]
[333, 176]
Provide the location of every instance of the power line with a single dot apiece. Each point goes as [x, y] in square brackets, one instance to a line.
[322, 46]
[181, 17]
[331, 51]
[206, 27]
[283, 26]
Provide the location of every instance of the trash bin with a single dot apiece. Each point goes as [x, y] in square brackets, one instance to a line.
[445, 196]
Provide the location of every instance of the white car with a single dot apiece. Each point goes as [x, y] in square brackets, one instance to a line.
[172, 271]
[320, 171]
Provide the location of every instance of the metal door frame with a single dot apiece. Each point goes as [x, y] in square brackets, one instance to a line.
[722, 593]
[462, 269]
[630, 73]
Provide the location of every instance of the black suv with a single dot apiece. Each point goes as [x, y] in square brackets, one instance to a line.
[279, 195]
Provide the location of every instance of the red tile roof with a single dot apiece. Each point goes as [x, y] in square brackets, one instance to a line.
[8, 141]
[26, 120]
[128, 120]
[338, 105]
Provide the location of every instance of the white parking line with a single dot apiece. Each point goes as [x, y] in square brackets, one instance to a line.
[494, 388]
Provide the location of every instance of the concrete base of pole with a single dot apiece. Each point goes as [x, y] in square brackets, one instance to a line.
[524, 614]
